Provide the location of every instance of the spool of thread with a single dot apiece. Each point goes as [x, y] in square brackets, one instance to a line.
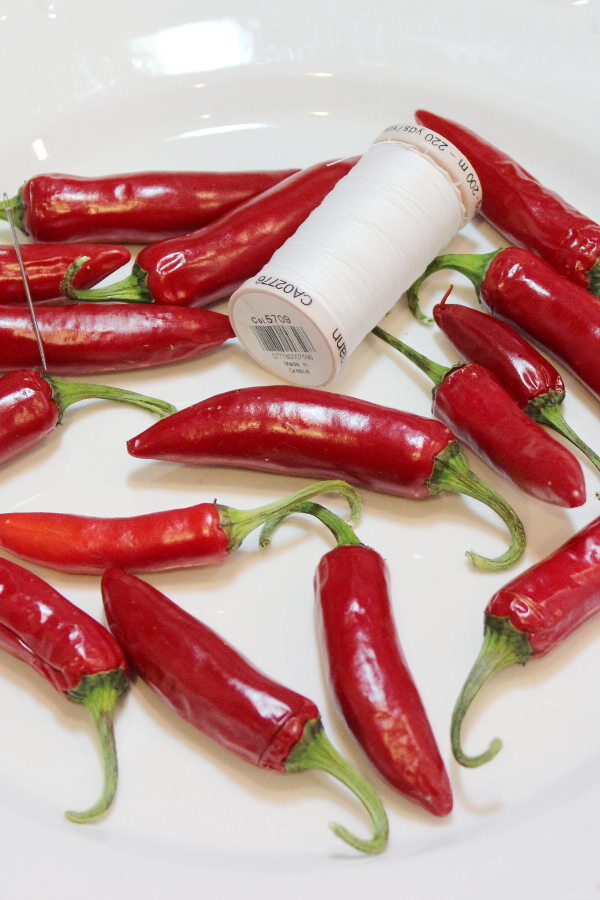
[328, 285]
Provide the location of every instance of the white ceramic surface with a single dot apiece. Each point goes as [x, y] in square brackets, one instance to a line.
[91, 88]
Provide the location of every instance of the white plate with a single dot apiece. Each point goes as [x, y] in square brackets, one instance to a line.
[123, 86]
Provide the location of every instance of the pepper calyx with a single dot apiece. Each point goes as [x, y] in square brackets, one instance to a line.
[99, 694]
[451, 472]
[17, 208]
[593, 276]
[473, 266]
[503, 645]
[131, 289]
[238, 523]
[546, 409]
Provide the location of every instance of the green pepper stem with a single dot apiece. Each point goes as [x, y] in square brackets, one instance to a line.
[451, 472]
[503, 645]
[545, 409]
[99, 694]
[65, 393]
[17, 211]
[432, 369]
[593, 276]
[473, 265]
[132, 289]
[238, 523]
[342, 531]
[314, 751]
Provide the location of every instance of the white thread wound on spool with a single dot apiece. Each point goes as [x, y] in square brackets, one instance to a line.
[347, 264]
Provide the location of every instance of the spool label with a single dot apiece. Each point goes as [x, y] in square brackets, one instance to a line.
[446, 155]
[271, 319]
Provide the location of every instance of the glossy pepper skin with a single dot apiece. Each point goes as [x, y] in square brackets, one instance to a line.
[209, 264]
[531, 380]
[370, 677]
[470, 400]
[531, 615]
[28, 412]
[135, 207]
[211, 685]
[199, 535]
[46, 265]
[86, 338]
[304, 431]
[564, 319]
[31, 406]
[518, 286]
[525, 211]
[75, 653]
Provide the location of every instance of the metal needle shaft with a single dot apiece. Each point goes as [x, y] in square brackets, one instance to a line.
[15, 241]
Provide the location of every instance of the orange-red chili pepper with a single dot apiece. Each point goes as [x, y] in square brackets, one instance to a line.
[76, 654]
[199, 535]
[530, 615]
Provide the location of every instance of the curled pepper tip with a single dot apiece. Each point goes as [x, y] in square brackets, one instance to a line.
[472, 762]
[376, 845]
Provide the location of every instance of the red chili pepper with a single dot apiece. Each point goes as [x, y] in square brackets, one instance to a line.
[211, 263]
[32, 405]
[135, 208]
[471, 401]
[518, 286]
[326, 435]
[84, 338]
[530, 615]
[526, 212]
[211, 685]
[199, 535]
[76, 654]
[530, 379]
[370, 677]
[46, 265]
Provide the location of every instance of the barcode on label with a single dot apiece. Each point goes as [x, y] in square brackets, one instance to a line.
[281, 339]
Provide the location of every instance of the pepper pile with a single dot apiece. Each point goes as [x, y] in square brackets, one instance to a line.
[205, 234]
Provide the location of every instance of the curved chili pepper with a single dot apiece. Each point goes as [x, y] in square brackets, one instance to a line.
[526, 212]
[199, 535]
[46, 265]
[530, 615]
[369, 675]
[530, 379]
[76, 654]
[211, 263]
[135, 208]
[471, 401]
[303, 431]
[207, 682]
[85, 338]
[518, 286]
[32, 405]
